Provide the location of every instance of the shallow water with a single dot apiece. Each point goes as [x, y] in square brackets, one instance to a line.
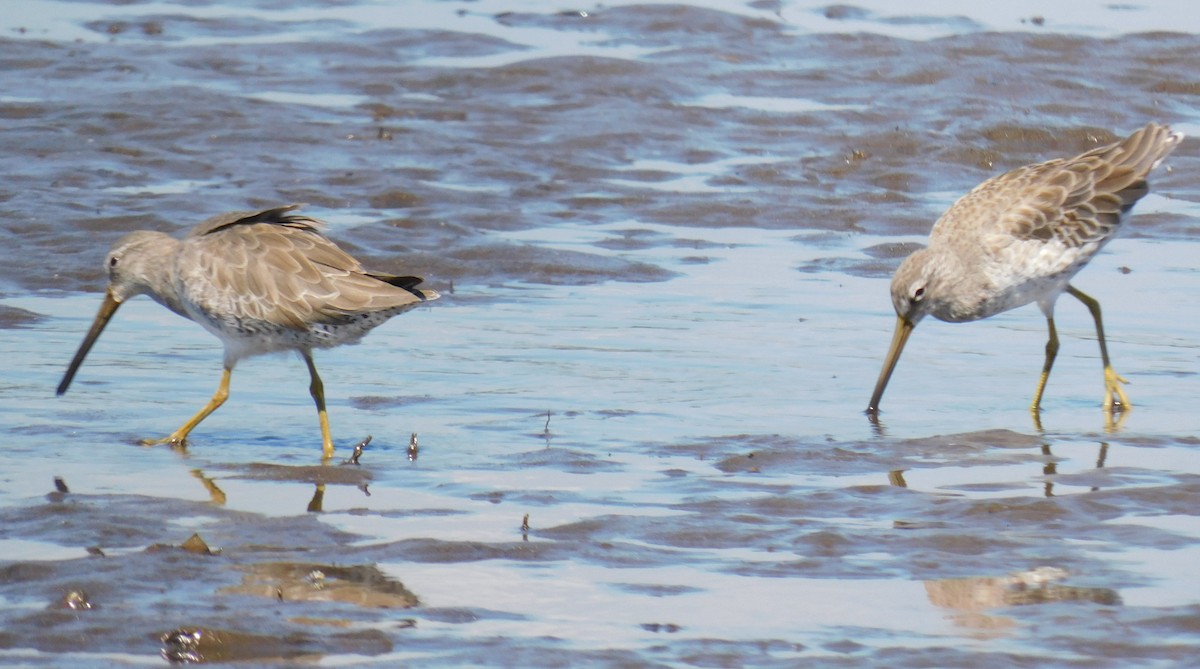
[663, 235]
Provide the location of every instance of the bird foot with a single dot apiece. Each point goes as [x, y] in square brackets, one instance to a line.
[173, 440]
[1115, 398]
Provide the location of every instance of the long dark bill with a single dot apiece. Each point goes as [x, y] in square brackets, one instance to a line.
[904, 327]
[107, 309]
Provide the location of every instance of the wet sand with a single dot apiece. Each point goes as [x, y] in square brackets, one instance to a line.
[663, 235]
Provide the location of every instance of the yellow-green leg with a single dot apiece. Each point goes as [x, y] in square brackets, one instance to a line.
[1051, 353]
[179, 437]
[317, 389]
[1114, 395]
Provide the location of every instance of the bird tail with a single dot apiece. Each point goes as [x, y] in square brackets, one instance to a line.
[1143, 150]
[1126, 164]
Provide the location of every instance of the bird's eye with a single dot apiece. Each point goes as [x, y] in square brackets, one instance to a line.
[918, 294]
[112, 262]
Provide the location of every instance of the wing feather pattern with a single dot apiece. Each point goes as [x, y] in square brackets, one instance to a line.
[277, 267]
[1074, 202]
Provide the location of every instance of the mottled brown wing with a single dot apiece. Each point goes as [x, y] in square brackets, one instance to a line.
[1064, 201]
[282, 271]
[1074, 202]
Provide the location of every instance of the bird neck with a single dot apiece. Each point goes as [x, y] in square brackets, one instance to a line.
[953, 292]
[158, 275]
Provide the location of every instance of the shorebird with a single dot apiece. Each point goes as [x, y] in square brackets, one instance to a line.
[262, 282]
[1020, 238]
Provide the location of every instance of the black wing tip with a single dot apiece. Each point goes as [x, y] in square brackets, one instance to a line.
[274, 216]
[408, 283]
[285, 215]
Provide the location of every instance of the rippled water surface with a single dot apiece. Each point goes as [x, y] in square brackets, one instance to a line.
[663, 235]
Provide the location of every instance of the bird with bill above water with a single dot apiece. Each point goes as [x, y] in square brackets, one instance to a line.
[262, 282]
[1019, 238]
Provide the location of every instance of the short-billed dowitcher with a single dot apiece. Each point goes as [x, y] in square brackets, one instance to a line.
[1020, 238]
[261, 282]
